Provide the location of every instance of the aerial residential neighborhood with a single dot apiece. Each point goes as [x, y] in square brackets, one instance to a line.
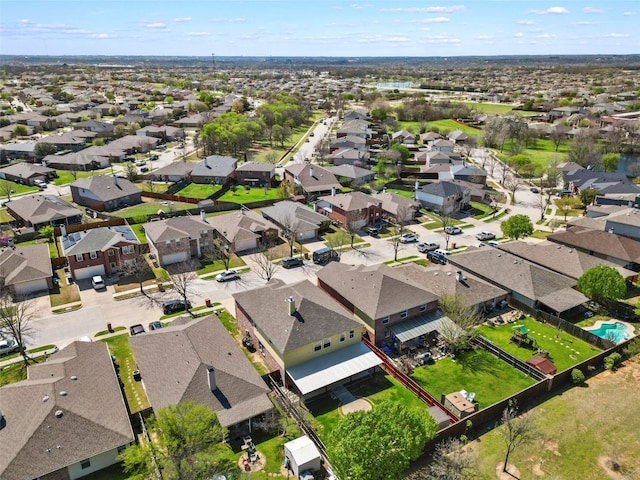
[286, 252]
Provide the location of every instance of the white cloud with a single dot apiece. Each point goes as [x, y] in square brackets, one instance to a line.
[526, 22]
[158, 25]
[616, 35]
[102, 36]
[182, 19]
[24, 21]
[442, 39]
[518, 34]
[228, 20]
[551, 11]
[591, 10]
[198, 34]
[432, 20]
[434, 9]
[629, 14]
[360, 6]
[485, 37]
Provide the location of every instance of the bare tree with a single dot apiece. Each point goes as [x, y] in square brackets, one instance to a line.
[138, 267]
[557, 136]
[566, 204]
[468, 146]
[15, 320]
[512, 184]
[516, 430]
[451, 461]
[220, 250]
[355, 223]
[541, 202]
[150, 185]
[272, 157]
[464, 319]
[446, 221]
[130, 171]
[336, 241]
[290, 226]
[182, 276]
[74, 172]
[264, 259]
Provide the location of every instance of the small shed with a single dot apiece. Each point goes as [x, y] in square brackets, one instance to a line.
[301, 454]
[542, 364]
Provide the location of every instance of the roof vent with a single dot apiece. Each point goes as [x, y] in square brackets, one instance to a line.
[45, 398]
[73, 377]
[499, 255]
[58, 414]
[515, 262]
[63, 393]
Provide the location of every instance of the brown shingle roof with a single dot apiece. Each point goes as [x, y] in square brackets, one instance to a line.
[600, 242]
[106, 187]
[25, 264]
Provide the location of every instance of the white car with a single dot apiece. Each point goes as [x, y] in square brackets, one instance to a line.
[485, 236]
[408, 238]
[140, 163]
[40, 183]
[98, 282]
[427, 247]
[228, 275]
[453, 230]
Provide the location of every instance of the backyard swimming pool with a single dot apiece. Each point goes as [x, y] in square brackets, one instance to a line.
[613, 330]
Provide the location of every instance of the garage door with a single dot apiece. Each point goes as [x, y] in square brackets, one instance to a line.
[88, 272]
[26, 288]
[175, 258]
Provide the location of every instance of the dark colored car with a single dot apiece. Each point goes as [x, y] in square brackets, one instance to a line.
[155, 325]
[290, 262]
[136, 329]
[436, 257]
[172, 306]
[373, 231]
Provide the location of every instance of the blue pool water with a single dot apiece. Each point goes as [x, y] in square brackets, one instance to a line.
[616, 332]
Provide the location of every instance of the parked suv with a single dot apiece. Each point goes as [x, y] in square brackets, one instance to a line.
[8, 346]
[436, 257]
[290, 262]
[453, 230]
[172, 306]
[98, 282]
[137, 329]
[485, 236]
[408, 238]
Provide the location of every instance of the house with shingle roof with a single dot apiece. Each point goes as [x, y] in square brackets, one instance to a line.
[67, 420]
[244, 230]
[255, 174]
[311, 179]
[173, 172]
[353, 210]
[297, 217]
[354, 174]
[526, 282]
[197, 360]
[306, 337]
[38, 211]
[397, 207]
[444, 197]
[215, 169]
[26, 270]
[178, 239]
[26, 173]
[105, 193]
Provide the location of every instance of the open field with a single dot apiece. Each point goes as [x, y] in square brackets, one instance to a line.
[578, 431]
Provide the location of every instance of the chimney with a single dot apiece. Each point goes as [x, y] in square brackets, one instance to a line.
[311, 172]
[63, 231]
[203, 217]
[292, 305]
[211, 377]
[333, 191]
[115, 180]
[459, 276]
[417, 185]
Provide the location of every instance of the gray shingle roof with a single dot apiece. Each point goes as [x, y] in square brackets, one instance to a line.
[443, 189]
[106, 187]
[176, 228]
[24, 264]
[97, 239]
[317, 316]
[42, 208]
[35, 440]
[214, 166]
[286, 211]
[173, 363]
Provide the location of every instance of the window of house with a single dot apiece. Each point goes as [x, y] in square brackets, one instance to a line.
[326, 343]
[85, 463]
[317, 346]
[93, 255]
[79, 257]
[352, 333]
[343, 337]
[111, 253]
[423, 307]
[387, 333]
[128, 249]
[385, 320]
[178, 242]
[168, 243]
[114, 265]
[403, 314]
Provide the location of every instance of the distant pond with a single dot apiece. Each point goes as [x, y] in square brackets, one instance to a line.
[625, 161]
[397, 85]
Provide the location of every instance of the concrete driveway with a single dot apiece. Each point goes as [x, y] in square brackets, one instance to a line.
[91, 297]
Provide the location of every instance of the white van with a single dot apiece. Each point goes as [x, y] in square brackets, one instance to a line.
[442, 251]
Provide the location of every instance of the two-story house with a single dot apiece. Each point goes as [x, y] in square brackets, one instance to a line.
[308, 339]
[353, 210]
[215, 169]
[105, 193]
[178, 239]
[311, 179]
[244, 230]
[257, 174]
[443, 197]
[99, 251]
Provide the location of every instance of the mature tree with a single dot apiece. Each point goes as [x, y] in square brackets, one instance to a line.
[566, 204]
[458, 334]
[43, 149]
[285, 190]
[6, 188]
[379, 444]
[405, 154]
[182, 277]
[130, 171]
[264, 260]
[496, 132]
[519, 162]
[97, 142]
[516, 430]
[610, 162]
[290, 227]
[584, 149]
[551, 177]
[602, 283]
[557, 136]
[15, 319]
[47, 232]
[272, 157]
[446, 220]
[138, 267]
[186, 443]
[20, 131]
[517, 226]
[337, 240]
[451, 461]
[587, 196]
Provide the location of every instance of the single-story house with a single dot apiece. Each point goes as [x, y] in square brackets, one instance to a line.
[174, 172]
[105, 193]
[311, 179]
[244, 230]
[26, 270]
[397, 207]
[38, 211]
[26, 173]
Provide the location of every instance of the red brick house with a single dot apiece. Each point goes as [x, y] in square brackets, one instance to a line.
[255, 174]
[351, 210]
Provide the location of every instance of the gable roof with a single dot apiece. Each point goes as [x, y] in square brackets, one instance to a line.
[443, 189]
[599, 242]
[106, 187]
[256, 167]
[317, 315]
[173, 363]
[288, 212]
[24, 264]
[313, 178]
[350, 201]
[214, 166]
[26, 170]
[69, 409]
[377, 290]
[393, 203]
[175, 228]
[241, 225]
[350, 171]
[97, 239]
[42, 208]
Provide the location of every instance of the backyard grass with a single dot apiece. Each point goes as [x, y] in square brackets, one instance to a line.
[196, 190]
[564, 350]
[19, 189]
[403, 193]
[5, 216]
[16, 372]
[253, 194]
[158, 187]
[493, 108]
[133, 391]
[578, 431]
[139, 231]
[152, 208]
[63, 293]
[452, 125]
[65, 177]
[474, 371]
[210, 266]
[542, 153]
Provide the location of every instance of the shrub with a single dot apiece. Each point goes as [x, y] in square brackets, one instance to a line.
[612, 361]
[633, 348]
[577, 376]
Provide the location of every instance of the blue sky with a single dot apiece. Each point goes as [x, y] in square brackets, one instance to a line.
[318, 27]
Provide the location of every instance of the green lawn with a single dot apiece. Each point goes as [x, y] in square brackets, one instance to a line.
[15, 372]
[492, 108]
[404, 193]
[65, 176]
[474, 371]
[19, 189]
[208, 266]
[253, 194]
[542, 154]
[564, 350]
[5, 217]
[451, 125]
[196, 190]
[157, 187]
[151, 208]
[63, 293]
[120, 348]
[139, 231]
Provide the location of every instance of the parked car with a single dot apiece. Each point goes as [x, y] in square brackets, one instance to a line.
[408, 238]
[485, 236]
[153, 157]
[427, 247]
[373, 231]
[436, 257]
[137, 329]
[40, 183]
[144, 169]
[290, 262]
[155, 325]
[8, 346]
[173, 306]
[565, 193]
[140, 163]
[453, 230]
[443, 252]
[535, 189]
[98, 282]
[162, 146]
[228, 275]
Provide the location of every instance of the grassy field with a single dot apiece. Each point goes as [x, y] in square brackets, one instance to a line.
[19, 189]
[542, 154]
[474, 371]
[196, 190]
[65, 177]
[492, 108]
[564, 350]
[578, 431]
[451, 125]
[253, 194]
[119, 348]
[158, 187]
[15, 372]
[151, 208]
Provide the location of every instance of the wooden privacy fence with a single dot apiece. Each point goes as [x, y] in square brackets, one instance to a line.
[111, 222]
